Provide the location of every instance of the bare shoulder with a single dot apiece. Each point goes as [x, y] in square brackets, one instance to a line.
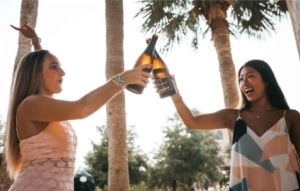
[292, 113]
[292, 118]
[33, 102]
[30, 100]
[25, 104]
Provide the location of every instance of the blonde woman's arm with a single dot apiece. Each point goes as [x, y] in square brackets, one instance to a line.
[30, 33]
[46, 109]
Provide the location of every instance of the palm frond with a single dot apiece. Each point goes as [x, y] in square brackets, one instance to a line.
[183, 20]
[173, 20]
[257, 18]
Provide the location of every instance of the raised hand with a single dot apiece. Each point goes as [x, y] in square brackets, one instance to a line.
[26, 31]
[30, 33]
[137, 75]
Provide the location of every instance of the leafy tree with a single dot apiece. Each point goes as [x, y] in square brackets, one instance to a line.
[97, 160]
[143, 186]
[185, 157]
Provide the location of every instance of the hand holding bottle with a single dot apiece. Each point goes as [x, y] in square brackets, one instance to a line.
[145, 58]
[137, 75]
[175, 97]
[172, 76]
[162, 78]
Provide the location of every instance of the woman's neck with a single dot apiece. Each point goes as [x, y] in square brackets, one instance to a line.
[261, 106]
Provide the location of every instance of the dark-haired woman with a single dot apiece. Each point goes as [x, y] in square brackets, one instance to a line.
[265, 132]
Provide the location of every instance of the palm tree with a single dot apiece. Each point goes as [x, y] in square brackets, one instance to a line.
[28, 15]
[118, 161]
[176, 20]
[294, 7]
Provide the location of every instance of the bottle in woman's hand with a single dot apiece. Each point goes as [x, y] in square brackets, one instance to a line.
[145, 58]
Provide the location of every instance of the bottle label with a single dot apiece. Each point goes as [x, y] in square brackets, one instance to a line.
[164, 84]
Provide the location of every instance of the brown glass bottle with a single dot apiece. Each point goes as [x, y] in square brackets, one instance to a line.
[145, 58]
[162, 79]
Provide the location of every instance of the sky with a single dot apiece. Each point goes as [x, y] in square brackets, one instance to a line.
[75, 32]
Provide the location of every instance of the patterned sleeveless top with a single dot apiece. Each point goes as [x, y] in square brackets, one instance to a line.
[48, 160]
[265, 163]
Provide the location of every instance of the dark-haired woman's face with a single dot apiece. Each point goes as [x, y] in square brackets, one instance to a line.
[252, 84]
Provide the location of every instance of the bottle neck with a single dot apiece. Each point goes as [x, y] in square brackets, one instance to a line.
[151, 46]
[156, 55]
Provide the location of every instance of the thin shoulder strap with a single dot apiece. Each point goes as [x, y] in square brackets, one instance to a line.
[284, 113]
[238, 117]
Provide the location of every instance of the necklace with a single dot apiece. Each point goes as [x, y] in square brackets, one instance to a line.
[257, 116]
[262, 114]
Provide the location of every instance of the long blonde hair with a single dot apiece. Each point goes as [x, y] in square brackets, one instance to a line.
[26, 82]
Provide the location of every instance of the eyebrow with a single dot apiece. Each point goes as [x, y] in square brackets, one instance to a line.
[251, 72]
[54, 63]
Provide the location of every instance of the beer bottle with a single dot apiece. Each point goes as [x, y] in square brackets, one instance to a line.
[145, 58]
[162, 79]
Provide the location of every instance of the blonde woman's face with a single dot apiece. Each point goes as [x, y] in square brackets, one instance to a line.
[52, 76]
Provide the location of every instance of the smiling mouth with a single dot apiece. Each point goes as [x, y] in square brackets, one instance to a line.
[248, 91]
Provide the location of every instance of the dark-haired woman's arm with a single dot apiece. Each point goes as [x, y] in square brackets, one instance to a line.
[224, 118]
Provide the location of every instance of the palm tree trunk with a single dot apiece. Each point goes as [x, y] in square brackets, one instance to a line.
[220, 35]
[29, 13]
[118, 179]
[294, 10]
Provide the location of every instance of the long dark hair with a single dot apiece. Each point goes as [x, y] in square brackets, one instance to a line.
[274, 92]
[26, 82]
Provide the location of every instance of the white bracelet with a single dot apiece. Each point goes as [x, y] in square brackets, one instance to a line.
[36, 39]
[118, 81]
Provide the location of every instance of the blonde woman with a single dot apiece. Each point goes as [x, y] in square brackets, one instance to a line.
[40, 144]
